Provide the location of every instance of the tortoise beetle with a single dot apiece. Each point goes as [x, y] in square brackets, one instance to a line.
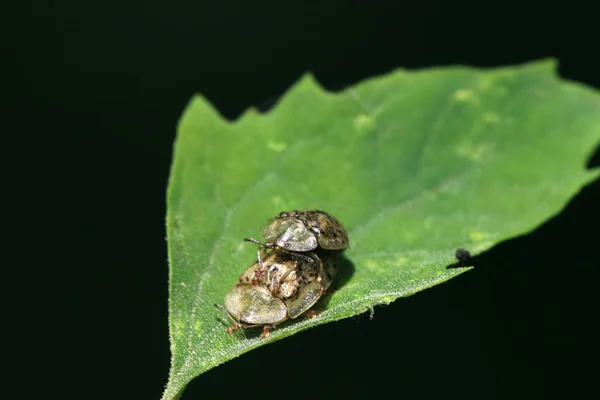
[288, 289]
[302, 232]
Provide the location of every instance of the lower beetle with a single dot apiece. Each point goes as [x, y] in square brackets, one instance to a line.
[284, 286]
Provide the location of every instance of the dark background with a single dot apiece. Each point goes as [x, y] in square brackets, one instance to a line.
[100, 87]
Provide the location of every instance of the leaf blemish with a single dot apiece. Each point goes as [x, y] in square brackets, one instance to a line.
[464, 96]
[471, 151]
[484, 82]
[198, 327]
[478, 236]
[492, 118]
[275, 146]
[400, 261]
[364, 123]
[499, 90]
[277, 201]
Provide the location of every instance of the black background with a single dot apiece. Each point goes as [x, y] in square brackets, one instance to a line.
[100, 89]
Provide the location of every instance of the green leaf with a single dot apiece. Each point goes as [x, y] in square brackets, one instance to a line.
[415, 164]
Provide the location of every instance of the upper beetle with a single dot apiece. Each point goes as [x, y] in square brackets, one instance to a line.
[304, 231]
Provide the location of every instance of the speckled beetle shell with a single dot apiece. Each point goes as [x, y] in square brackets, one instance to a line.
[288, 288]
[255, 305]
[303, 231]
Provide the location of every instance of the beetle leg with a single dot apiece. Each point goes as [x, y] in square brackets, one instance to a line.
[277, 284]
[261, 246]
[286, 275]
[311, 314]
[259, 257]
[236, 324]
[300, 255]
[273, 246]
[276, 288]
[266, 331]
[293, 253]
[316, 259]
[257, 275]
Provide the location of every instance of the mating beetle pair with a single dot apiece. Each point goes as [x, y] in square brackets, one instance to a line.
[289, 279]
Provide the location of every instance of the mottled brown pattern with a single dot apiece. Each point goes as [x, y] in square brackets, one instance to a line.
[299, 265]
[286, 277]
[330, 233]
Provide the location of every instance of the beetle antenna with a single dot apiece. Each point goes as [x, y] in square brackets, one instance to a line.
[252, 240]
[261, 244]
[220, 307]
[274, 246]
[300, 255]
